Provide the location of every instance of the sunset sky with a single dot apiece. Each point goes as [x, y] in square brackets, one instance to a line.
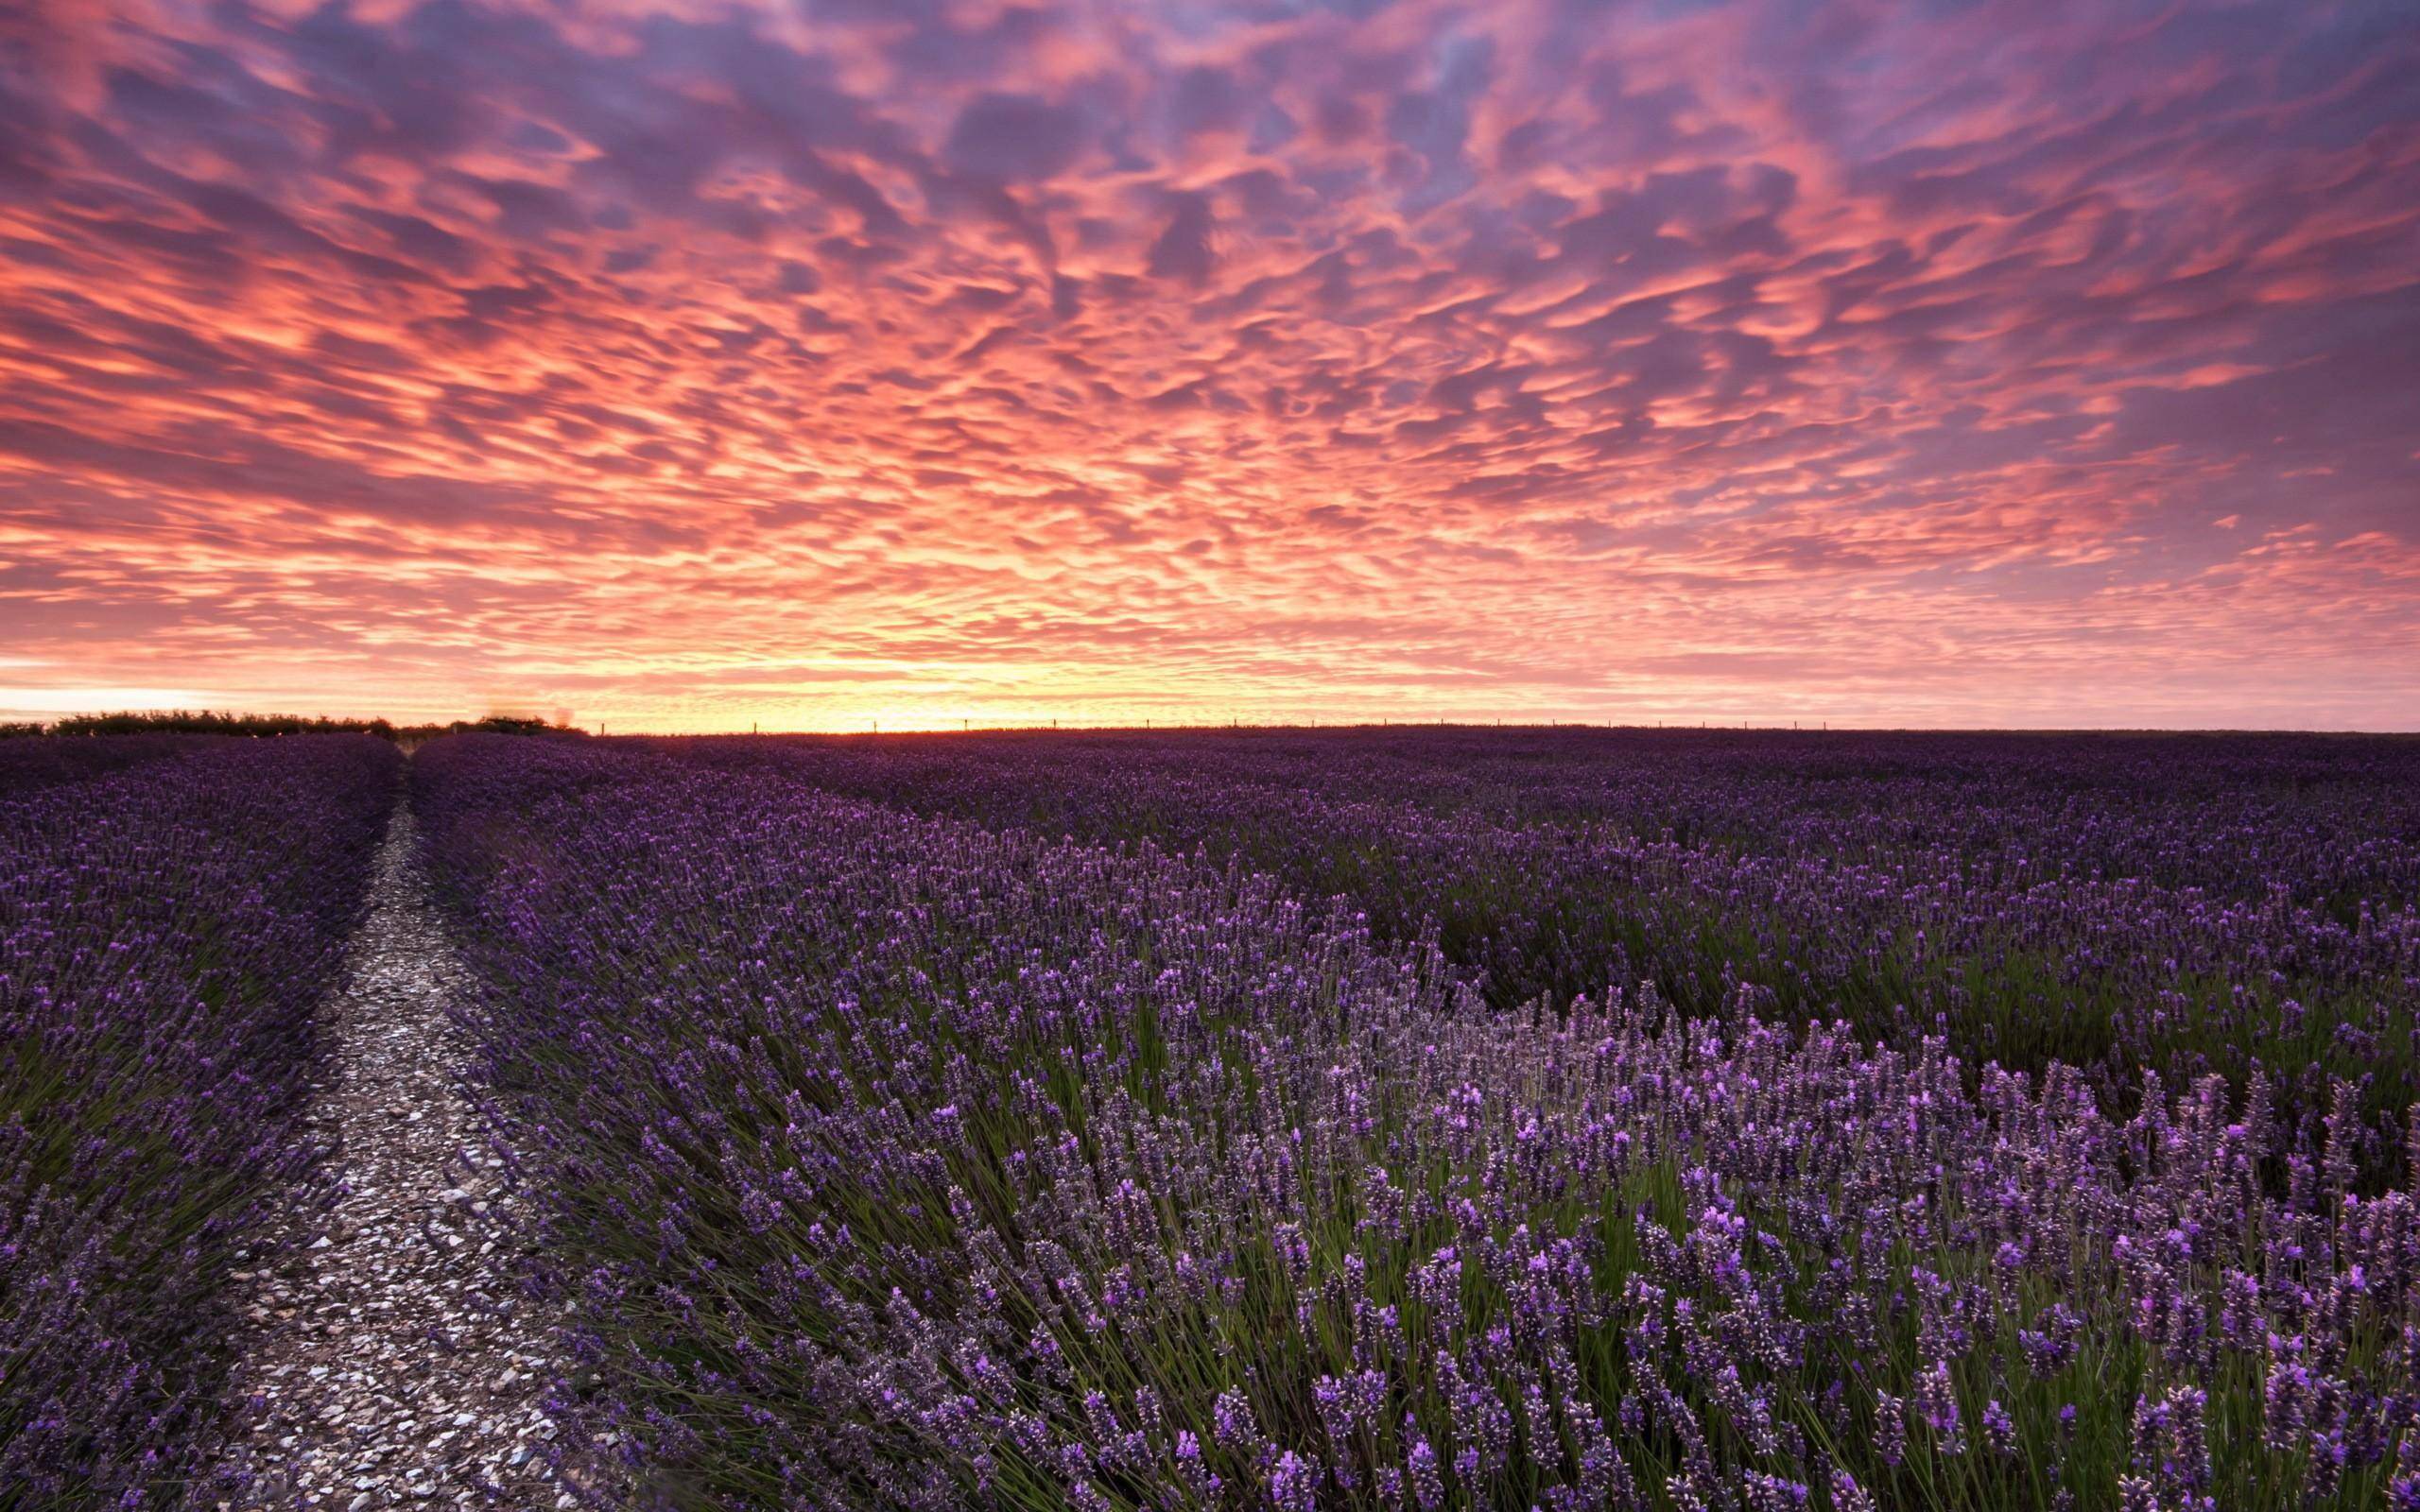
[688, 365]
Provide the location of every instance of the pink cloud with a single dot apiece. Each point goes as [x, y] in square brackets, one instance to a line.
[696, 364]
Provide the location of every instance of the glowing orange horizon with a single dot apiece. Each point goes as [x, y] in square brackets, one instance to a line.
[688, 365]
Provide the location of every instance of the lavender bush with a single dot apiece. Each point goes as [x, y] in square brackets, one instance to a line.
[169, 912]
[2243, 904]
[892, 1161]
[31, 761]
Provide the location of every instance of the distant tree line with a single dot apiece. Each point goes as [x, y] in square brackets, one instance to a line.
[211, 722]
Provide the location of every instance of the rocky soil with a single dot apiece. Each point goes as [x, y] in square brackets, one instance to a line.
[397, 1363]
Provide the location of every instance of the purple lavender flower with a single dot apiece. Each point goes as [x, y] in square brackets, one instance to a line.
[1294, 1484]
[172, 909]
[887, 1124]
[1427, 1484]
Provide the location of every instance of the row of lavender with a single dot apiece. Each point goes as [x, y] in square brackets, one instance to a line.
[170, 911]
[28, 763]
[896, 1161]
[2179, 903]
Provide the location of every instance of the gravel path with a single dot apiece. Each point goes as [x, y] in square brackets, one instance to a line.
[397, 1363]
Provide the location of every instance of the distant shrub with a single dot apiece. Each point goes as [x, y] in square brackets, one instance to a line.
[212, 722]
[493, 724]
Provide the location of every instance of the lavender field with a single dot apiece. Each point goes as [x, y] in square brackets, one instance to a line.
[170, 911]
[1376, 1119]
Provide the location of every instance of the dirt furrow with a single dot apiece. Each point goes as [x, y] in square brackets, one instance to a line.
[396, 1363]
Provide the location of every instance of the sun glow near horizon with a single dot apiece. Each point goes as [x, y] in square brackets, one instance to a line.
[1424, 359]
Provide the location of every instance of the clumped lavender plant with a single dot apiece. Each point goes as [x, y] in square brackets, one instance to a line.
[170, 910]
[2243, 904]
[893, 1161]
[28, 763]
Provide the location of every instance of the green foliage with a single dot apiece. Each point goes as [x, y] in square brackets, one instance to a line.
[213, 722]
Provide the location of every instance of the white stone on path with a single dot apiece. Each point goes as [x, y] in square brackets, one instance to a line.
[345, 1368]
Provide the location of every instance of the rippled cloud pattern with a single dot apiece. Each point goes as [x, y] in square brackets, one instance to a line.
[2006, 362]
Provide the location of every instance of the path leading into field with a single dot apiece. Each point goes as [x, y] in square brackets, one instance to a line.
[397, 1363]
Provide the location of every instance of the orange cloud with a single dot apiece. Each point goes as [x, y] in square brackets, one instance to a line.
[690, 365]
